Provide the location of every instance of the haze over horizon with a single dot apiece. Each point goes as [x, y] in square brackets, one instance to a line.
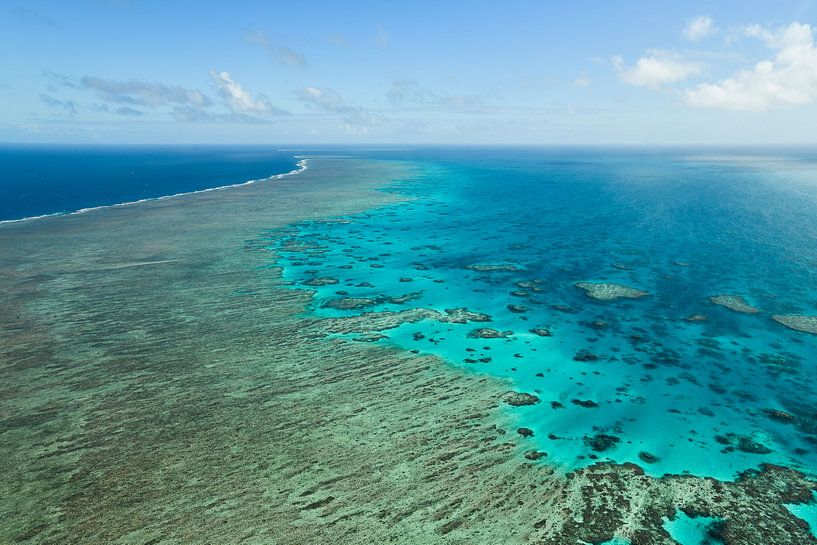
[147, 72]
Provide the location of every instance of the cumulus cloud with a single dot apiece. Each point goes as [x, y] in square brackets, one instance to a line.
[239, 99]
[699, 28]
[140, 98]
[787, 80]
[142, 93]
[655, 69]
[282, 54]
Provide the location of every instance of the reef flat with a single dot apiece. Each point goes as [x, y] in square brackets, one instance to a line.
[608, 291]
[807, 324]
[160, 382]
[734, 302]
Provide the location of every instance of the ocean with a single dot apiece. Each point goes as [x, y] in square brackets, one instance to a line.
[43, 180]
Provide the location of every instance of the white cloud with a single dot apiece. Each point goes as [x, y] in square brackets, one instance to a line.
[239, 99]
[787, 80]
[582, 80]
[656, 69]
[699, 28]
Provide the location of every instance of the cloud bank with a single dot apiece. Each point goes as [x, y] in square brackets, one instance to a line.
[789, 79]
[142, 93]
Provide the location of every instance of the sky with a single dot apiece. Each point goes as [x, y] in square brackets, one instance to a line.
[398, 72]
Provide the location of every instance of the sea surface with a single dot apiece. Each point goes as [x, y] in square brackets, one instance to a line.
[670, 380]
[43, 180]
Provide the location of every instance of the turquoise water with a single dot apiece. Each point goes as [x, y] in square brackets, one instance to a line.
[669, 381]
[688, 530]
[807, 512]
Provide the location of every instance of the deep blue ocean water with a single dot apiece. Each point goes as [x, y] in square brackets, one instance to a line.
[38, 180]
[630, 380]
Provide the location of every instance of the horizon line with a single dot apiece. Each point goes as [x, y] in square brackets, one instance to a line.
[372, 146]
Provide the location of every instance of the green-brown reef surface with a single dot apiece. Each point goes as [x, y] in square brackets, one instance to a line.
[159, 385]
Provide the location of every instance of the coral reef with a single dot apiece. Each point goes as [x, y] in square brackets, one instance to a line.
[603, 291]
[734, 302]
[478, 267]
[488, 333]
[195, 402]
[806, 324]
[520, 399]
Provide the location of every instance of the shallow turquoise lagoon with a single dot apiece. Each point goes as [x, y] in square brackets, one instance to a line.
[688, 530]
[807, 512]
[670, 381]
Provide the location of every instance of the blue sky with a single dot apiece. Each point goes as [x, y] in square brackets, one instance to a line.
[512, 72]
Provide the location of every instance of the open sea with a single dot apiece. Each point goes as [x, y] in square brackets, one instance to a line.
[43, 180]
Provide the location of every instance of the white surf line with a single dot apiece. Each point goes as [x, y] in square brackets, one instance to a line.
[134, 264]
[302, 166]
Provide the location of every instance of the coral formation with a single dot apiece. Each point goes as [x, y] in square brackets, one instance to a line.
[605, 291]
[806, 324]
[734, 302]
